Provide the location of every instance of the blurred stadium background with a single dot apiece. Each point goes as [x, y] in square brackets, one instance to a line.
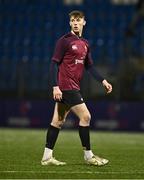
[28, 32]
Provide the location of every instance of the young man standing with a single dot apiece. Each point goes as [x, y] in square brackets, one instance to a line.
[71, 56]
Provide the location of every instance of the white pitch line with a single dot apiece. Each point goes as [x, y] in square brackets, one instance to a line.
[74, 172]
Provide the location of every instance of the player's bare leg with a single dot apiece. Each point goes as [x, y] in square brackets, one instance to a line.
[84, 115]
[60, 113]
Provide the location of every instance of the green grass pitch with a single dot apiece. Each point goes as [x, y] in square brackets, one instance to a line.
[21, 151]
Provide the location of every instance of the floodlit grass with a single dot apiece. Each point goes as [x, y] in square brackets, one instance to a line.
[21, 151]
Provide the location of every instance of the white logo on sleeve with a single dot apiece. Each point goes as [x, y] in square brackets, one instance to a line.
[74, 47]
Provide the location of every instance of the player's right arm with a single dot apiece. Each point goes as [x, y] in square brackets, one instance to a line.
[56, 60]
[57, 94]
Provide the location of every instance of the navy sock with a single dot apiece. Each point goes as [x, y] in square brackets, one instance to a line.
[85, 137]
[52, 135]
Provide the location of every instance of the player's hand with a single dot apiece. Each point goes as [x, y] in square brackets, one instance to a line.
[107, 86]
[57, 94]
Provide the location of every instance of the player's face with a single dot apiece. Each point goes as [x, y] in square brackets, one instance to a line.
[77, 24]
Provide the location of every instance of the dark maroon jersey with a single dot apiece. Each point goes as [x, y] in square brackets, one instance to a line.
[73, 55]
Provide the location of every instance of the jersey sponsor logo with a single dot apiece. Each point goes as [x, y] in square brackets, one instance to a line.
[79, 61]
[74, 47]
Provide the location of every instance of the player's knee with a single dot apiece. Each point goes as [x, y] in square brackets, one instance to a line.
[58, 122]
[86, 119]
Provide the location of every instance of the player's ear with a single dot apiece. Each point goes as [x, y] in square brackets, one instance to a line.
[70, 23]
[84, 23]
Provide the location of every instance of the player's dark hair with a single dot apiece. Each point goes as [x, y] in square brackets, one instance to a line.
[76, 14]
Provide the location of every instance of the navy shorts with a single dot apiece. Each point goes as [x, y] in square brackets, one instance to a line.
[71, 97]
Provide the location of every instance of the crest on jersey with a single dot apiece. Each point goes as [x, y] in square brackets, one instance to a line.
[74, 47]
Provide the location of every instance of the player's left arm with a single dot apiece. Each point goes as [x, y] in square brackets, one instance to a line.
[107, 86]
[92, 70]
